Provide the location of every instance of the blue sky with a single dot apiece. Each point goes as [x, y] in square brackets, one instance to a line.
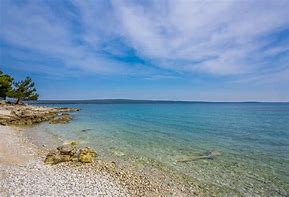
[179, 50]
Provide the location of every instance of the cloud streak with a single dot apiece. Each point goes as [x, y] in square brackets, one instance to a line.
[154, 37]
[219, 37]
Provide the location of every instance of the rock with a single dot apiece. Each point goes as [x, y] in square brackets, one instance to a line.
[17, 113]
[87, 155]
[4, 120]
[72, 142]
[54, 157]
[67, 149]
[118, 153]
[64, 109]
[63, 153]
[207, 155]
[211, 154]
[85, 130]
[62, 119]
[28, 115]
[29, 122]
[68, 152]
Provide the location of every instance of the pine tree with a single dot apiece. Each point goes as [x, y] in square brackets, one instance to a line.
[23, 90]
[5, 84]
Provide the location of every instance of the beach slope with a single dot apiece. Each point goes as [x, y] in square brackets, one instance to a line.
[23, 173]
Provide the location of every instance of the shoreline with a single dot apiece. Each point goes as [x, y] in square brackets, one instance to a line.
[23, 172]
[25, 158]
[119, 179]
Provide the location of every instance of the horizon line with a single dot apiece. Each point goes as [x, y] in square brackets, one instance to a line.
[107, 101]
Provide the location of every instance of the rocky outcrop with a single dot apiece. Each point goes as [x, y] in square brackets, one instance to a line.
[70, 152]
[28, 115]
[61, 119]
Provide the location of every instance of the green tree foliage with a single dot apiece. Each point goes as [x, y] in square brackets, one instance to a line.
[5, 84]
[23, 90]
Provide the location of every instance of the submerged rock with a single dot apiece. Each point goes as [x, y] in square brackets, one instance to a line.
[87, 155]
[73, 142]
[85, 130]
[207, 155]
[118, 153]
[211, 154]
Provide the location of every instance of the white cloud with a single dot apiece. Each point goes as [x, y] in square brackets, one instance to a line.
[177, 31]
[34, 26]
[218, 37]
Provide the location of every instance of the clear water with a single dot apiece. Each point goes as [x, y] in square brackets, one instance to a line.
[252, 137]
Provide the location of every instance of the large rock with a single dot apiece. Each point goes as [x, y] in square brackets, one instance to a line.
[54, 157]
[62, 154]
[87, 155]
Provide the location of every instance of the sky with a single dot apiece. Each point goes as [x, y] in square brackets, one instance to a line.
[162, 50]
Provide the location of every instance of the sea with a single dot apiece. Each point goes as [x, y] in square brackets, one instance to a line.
[251, 141]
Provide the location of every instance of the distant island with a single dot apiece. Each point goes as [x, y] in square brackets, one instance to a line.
[130, 101]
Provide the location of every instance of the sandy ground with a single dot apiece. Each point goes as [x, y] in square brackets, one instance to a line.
[23, 173]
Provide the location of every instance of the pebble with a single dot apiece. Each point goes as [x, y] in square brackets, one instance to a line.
[37, 179]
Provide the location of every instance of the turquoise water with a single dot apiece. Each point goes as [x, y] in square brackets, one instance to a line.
[253, 139]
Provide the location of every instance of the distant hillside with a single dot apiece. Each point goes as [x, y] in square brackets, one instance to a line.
[106, 101]
[120, 101]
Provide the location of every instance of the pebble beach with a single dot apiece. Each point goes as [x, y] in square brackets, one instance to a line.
[23, 173]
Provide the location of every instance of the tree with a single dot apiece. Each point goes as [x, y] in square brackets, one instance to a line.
[5, 84]
[23, 90]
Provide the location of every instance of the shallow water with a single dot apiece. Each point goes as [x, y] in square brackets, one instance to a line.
[252, 137]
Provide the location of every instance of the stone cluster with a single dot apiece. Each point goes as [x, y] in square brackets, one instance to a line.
[70, 152]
